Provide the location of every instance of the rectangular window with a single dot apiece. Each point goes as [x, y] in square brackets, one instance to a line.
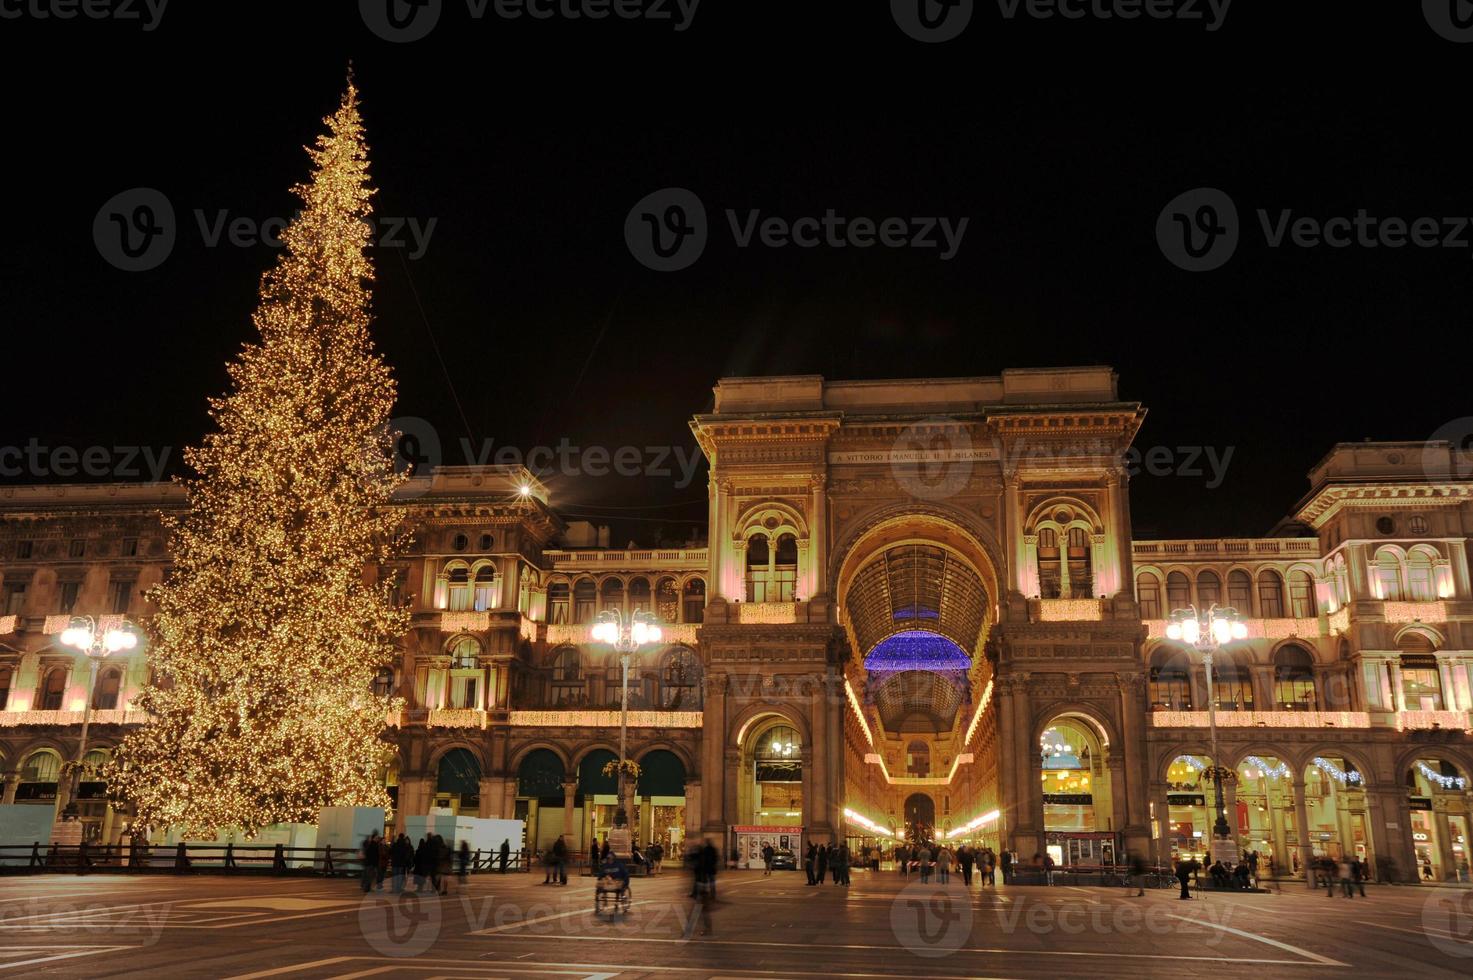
[1301, 595]
[120, 594]
[24, 549]
[68, 596]
[76, 548]
[15, 597]
[1270, 597]
[1422, 687]
[129, 547]
[1148, 595]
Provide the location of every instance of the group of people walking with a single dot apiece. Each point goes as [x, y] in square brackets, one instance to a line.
[821, 860]
[930, 858]
[430, 860]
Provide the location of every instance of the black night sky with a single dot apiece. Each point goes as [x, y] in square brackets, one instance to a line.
[528, 141]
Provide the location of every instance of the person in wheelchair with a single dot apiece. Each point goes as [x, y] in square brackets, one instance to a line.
[614, 880]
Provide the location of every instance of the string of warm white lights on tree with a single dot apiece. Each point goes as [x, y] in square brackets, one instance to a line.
[269, 634]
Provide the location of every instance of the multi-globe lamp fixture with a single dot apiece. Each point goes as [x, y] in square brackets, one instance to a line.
[1208, 631]
[641, 629]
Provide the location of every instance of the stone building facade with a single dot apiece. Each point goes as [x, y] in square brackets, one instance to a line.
[919, 609]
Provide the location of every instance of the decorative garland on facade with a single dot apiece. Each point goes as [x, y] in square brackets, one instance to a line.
[1281, 771]
[1342, 776]
[1446, 782]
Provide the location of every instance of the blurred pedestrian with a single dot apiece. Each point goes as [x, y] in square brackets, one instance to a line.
[370, 851]
[505, 854]
[463, 853]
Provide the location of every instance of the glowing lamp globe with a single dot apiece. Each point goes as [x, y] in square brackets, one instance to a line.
[1173, 631]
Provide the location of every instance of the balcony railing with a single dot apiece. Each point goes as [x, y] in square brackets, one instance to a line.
[560, 633]
[108, 716]
[456, 718]
[1426, 720]
[590, 718]
[1263, 719]
[1208, 548]
[1259, 629]
[1415, 612]
[1065, 610]
[651, 558]
[766, 612]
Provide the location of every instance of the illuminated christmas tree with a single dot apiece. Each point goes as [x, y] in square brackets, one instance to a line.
[271, 628]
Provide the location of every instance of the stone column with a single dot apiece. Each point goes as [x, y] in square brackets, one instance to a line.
[492, 794]
[1449, 690]
[818, 533]
[1230, 809]
[509, 570]
[1263, 686]
[1013, 530]
[570, 790]
[1301, 823]
[1007, 772]
[816, 805]
[1161, 833]
[1119, 818]
[1398, 689]
[713, 755]
[12, 783]
[1137, 758]
[716, 562]
[1458, 559]
[1445, 844]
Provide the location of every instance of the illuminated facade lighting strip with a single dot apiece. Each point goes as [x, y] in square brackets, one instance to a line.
[868, 824]
[977, 717]
[989, 817]
[869, 736]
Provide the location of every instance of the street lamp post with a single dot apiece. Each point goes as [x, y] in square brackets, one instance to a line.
[1208, 632]
[85, 634]
[626, 638]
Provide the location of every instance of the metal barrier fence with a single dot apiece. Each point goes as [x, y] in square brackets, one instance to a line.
[182, 858]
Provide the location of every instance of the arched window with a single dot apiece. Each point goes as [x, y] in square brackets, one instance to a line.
[38, 777]
[1240, 592]
[1050, 578]
[1148, 596]
[695, 600]
[557, 603]
[639, 595]
[1420, 586]
[1301, 595]
[460, 589]
[785, 569]
[1232, 687]
[109, 684]
[465, 677]
[758, 560]
[1178, 591]
[1209, 589]
[464, 653]
[459, 780]
[585, 597]
[1081, 565]
[611, 594]
[1171, 681]
[53, 689]
[1270, 595]
[918, 759]
[1421, 681]
[1293, 679]
[680, 680]
[667, 601]
[1387, 574]
[568, 686]
[485, 588]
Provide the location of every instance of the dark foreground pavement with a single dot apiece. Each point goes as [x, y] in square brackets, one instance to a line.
[881, 926]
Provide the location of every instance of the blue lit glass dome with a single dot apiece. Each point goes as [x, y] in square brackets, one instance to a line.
[917, 650]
